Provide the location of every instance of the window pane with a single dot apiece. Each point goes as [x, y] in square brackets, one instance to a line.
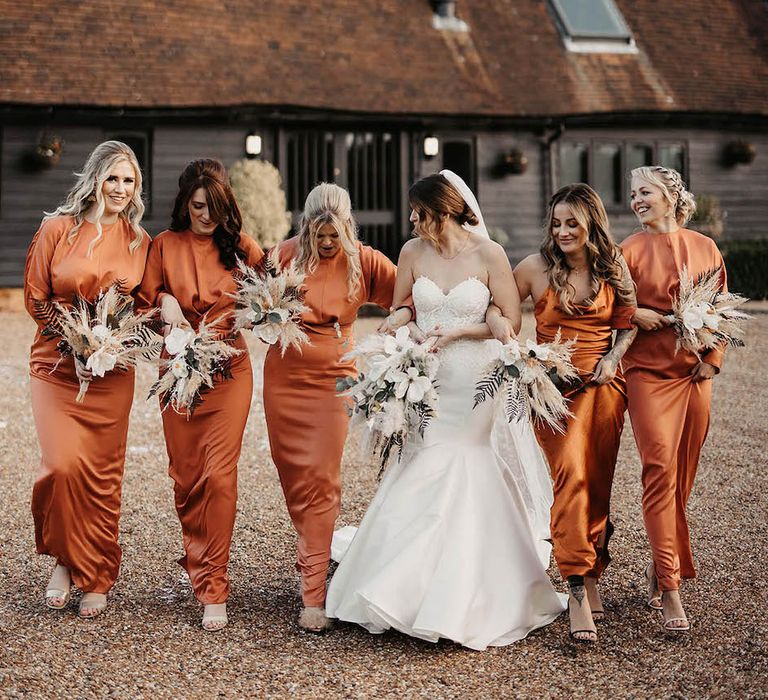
[672, 155]
[573, 163]
[457, 156]
[638, 155]
[591, 19]
[607, 172]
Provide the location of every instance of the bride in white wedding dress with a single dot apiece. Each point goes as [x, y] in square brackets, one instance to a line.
[454, 543]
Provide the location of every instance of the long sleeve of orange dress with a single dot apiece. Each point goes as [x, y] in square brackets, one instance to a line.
[583, 459]
[204, 448]
[76, 496]
[669, 412]
[307, 422]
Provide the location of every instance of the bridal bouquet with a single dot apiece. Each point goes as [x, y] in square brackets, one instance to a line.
[105, 334]
[531, 377]
[269, 302]
[394, 392]
[705, 317]
[196, 360]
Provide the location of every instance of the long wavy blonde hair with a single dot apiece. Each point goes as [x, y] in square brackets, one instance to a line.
[87, 192]
[330, 204]
[670, 182]
[605, 261]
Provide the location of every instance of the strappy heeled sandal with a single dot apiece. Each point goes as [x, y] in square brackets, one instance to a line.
[598, 613]
[591, 639]
[92, 601]
[653, 594]
[314, 620]
[51, 593]
[214, 622]
[668, 626]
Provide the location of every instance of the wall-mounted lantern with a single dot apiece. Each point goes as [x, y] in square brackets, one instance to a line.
[48, 150]
[738, 153]
[511, 162]
[253, 145]
[431, 147]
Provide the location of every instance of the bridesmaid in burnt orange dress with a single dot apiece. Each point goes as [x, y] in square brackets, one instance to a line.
[92, 241]
[669, 391]
[580, 285]
[306, 420]
[189, 275]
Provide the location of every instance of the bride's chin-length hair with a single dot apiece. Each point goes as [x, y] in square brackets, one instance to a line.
[435, 200]
[330, 204]
[87, 193]
[604, 256]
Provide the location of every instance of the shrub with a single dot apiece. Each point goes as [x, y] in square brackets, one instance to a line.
[258, 190]
[747, 265]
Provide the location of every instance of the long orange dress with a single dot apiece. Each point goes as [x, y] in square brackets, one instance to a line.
[76, 496]
[204, 448]
[306, 420]
[669, 412]
[583, 459]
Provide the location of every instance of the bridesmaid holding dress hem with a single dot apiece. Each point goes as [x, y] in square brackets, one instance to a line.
[91, 242]
[189, 275]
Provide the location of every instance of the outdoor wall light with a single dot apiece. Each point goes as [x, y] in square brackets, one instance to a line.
[431, 146]
[253, 145]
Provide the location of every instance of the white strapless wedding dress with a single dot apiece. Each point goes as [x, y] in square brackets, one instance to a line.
[447, 547]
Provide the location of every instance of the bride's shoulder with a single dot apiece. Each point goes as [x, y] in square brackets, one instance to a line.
[411, 249]
[490, 251]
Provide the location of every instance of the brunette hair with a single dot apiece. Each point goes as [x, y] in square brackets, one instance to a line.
[211, 175]
[671, 184]
[434, 199]
[605, 261]
[87, 193]
[330, 204]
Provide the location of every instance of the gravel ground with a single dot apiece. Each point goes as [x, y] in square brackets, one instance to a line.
[149, 642]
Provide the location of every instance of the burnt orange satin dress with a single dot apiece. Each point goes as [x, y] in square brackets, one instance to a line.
[204, 448]
[669, 412]
[307, 422]
[76, 496]
[583, 459]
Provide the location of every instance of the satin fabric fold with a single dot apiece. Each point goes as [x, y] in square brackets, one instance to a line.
[583, 459]
[204, 448]
[307, 422]
[670, 414]
[76, 496]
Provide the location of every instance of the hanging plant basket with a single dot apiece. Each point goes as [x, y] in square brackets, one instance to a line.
[49, 150]
[512, 162]
[738, 153]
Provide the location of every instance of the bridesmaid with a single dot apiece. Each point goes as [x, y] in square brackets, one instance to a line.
[90, 242]
[669, 391]
[580, 285]
[190, 273]
[306, 420]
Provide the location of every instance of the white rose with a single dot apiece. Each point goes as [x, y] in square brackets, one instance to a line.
[178, 340]
[101, 332]
[541, 352]
[179, 368]
[101, 362]
[693, 317]
[510, 353]
[268, 332]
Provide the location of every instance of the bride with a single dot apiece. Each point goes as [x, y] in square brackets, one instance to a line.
[454, 543]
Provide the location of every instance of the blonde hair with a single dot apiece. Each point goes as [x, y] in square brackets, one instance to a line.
[605, 262]
[87, 190]
[671, 184]
[330, 204]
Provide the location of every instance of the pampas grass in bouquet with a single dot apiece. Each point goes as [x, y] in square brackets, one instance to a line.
[703, 316]
[105, 334]
[531, 377]
[269, 301]
[196, 361]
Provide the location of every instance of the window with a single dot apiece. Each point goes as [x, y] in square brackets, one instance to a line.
[141, 144]
[606, 165]
[459, 157]
[592, 26]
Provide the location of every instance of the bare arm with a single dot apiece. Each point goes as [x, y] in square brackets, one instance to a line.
[402, 314]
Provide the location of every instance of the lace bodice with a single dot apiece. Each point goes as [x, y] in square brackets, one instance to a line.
[463, 305]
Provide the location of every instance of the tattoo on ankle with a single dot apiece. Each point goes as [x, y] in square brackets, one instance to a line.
[578, 593]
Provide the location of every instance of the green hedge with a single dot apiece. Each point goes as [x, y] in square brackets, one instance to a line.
[747, 265]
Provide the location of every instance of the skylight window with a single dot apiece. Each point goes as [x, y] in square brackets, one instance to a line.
[592, 26]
